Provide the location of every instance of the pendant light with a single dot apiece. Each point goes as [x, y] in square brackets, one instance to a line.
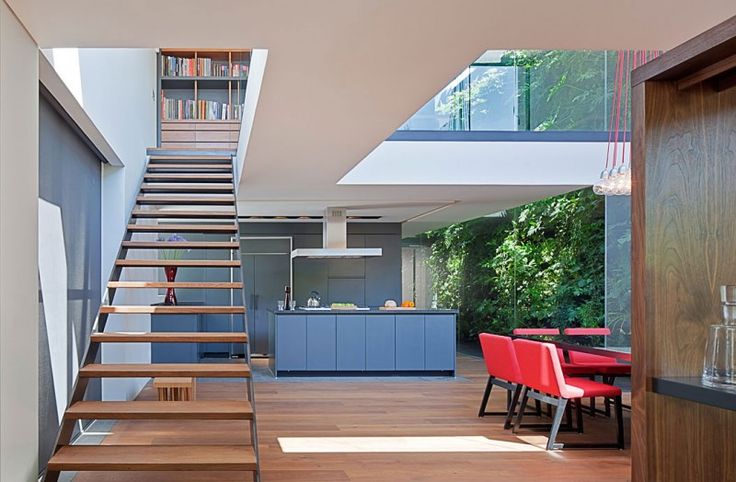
[616, 176]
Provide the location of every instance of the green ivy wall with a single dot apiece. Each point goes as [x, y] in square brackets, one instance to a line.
[541, 264]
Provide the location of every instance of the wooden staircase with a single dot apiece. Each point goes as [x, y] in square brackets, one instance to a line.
[195, 181]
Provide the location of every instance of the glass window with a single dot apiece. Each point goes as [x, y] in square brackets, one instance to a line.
[493, 98]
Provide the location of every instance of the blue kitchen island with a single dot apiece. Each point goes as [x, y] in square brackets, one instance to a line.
[362, 342]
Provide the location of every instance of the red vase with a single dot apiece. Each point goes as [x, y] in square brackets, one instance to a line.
[170, 298]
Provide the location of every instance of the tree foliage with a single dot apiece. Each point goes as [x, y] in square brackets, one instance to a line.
[540, 265]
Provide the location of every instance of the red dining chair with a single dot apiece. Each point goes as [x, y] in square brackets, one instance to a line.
[503, 370]
[543, 380]
[592, 365]
[538, 332]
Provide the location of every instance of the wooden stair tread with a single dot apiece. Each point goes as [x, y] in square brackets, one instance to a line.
[187, 189]
[153, 458]
[160, 410]
[169, 309]
[198, 228]
[141, 213]
[181, 263]
[193, 156]
[187, 166]
[145, 370]
[181, 244]
[183, 214]
[169, 337]
[213, 285]
[192, 177]
[184, 200]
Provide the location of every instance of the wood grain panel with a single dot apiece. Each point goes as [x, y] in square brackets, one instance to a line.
[214, 145]
[169, 337]
[683, 240]
[178, 263]
[177, 126]
[170, 309]
[144, 370]
[135, 457]
[182, 244]
[694, 442]
[162, 410]
[374, 407]
[638, 288]
[176, 284]
[690, 226]
[212, 136]
[177, 136]
[219, 126]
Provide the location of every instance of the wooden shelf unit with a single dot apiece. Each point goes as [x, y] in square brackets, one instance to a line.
[181, 133]
[683, 106]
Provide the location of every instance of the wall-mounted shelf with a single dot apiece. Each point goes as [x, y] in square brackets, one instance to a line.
[201, 94]
[693, 389]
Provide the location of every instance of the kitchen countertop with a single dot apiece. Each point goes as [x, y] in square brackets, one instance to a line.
[371, 311]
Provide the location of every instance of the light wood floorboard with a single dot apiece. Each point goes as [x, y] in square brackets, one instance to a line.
[374, 407]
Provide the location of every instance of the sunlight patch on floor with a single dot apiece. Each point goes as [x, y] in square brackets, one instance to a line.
[306, 445]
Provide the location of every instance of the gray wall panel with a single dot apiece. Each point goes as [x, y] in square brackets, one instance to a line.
[335, 278]
[69, 178]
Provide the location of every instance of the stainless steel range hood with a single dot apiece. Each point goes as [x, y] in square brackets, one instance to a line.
[335, 240]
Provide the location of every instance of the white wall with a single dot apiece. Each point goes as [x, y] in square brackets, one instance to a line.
[520, 163]
[257, 68]
[18, 251]
[117, 89]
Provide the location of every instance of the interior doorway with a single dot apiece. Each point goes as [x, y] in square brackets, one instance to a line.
[266, 270]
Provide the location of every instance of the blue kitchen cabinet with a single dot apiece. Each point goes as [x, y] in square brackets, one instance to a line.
[410, 342]
[321, 343]
[291, 343]
[351, 342]
[439, 340]
[176, 352]
[380, 349]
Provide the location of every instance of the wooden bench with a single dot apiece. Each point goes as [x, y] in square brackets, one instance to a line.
[175, 388]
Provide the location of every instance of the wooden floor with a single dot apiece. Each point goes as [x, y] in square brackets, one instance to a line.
[376, 407]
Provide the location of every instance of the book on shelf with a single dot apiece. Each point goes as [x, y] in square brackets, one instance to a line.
[189, 109]
[201, 67]
[213, 110]
[240, 70]
[177, 66]
[177, 109]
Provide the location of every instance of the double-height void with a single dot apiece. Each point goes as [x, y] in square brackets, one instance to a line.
[358, 241]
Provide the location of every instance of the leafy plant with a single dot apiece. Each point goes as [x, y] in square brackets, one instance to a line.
[540, 265]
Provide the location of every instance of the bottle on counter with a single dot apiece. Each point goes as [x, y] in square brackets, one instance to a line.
[287, 298]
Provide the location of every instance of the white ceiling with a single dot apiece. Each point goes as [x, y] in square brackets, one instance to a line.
[342, 75]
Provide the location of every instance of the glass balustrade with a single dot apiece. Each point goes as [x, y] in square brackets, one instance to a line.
[523, 90]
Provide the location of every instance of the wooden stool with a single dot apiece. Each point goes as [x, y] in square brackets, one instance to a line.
[175, 388]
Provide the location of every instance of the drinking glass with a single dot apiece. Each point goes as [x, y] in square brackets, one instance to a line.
[729, 314]
[280, 304]
[728, 294]
[719, 367]
[293, 304]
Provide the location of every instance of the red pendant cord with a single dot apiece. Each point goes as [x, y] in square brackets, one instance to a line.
[610, 119]
[617, 100]
[626, 88]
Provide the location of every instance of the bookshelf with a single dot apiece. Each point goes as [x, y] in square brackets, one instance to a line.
[200, 97]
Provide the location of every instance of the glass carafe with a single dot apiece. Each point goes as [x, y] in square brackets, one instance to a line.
[719, 366]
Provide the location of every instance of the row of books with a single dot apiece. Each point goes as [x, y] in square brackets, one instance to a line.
[201, 67]
[186, 109]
